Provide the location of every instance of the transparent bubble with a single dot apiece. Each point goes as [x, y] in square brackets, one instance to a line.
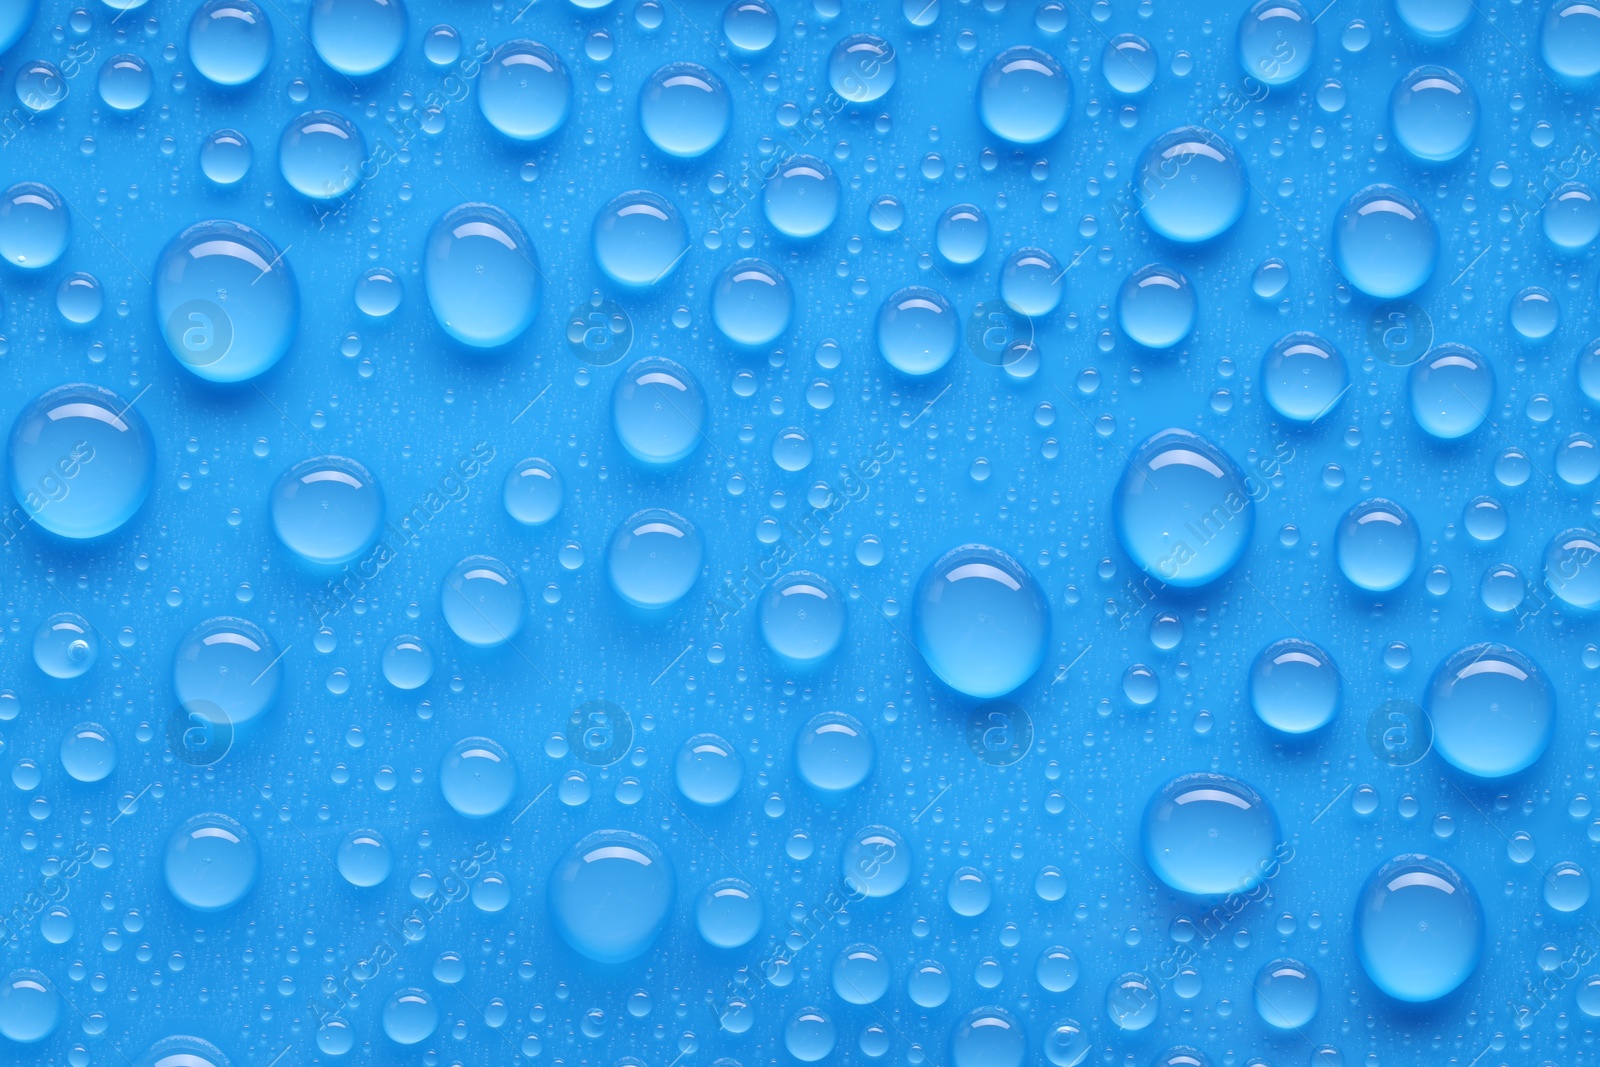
[533, 492]
[30, 1007]
[1569, 39]
[708, 770]
[225, 157]
[1294, 686]
[982, 623]
[320, 155]
[752, 304]
[1570, 568]
[1303, 376]
[988, 1037]
[801, 199]
[407, 662]
[1129, 64]
[802, 618]
[441, 46]
[1434, 113]
[875, 862]
[962, 234]
[917, 331]
[378, 293]
[1157, 306]
[1485, 519]
[1066, 1044]
[358, 37]
[364, 858]
[1192, 185]
[658, 412]
[862, 68]
[1209, 834]
[226, 673]
[79, 298]
[482, 276]
[1566, 887]
[750, 25]
[654, 559]
[88, 752]
[1270, 278]
[1492, 710]
[410, 1016]
[1534, 313]
[1571, 217]
[728, 913]
[1418, 928]
[1030, 282]
[125, 82]
[1133, 1002]
[685, 110]
[40, 85]
[1435, 20]
[211, 863]
[834, 753]
[860, 974]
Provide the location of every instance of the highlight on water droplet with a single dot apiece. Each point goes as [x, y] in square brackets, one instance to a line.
[981, 621]
[482, 276]
[81, 461]
[1183, 512]
[226, 301]
[1418, 928]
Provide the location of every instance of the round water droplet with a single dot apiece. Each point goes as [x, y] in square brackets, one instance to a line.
[1133, 1002]
[752, 303]
[639, 238]
[792, 449]
[477, 777]
[1056, 969]
[1493, 712]
[1451, 390]
[658, 411]
[226, 301]
[875, 862]
[1287, 993]
[1024, 95]
[809, 1036]
[988, 1037]
[708, 770]
[1192, 185]
[1569, 39]
[962, 234]
[1566, 887]
[929, 984]
[358, 37]
[801, 198]
[1066, 1045]
[327, 510]
[407, 663]
[40, 85]
[834, 753]
[1384, 242]
[482, 276]
[1534, 313]
[65, 645]
[364, 858]
[685, 110]
[34, 224]
[1183, 511]
[533, 492]
[125, 82]
[183, 1051]
[1572, 568]
[654, 559]
[225, 157]
[211, 863]
[611, 895]
[750, 25]
[1571, 217]
[1303, 376]
[1434, 113]
[88, 752]
[968, 892]
[378, 293]
[79, 298]
[1030, 282]
[860, 974]
[1157, 307]
[917, 331]
[862, 68]
[525, 91]
[1377, 544]
[482, 601]
[1129, 64]
[230, 41]
[1277, 39]
[728, 913]
[982, 623]
[1270, 279]
[30, 1007]
[1208, 834]
[1418, 928]
[225, 673]
[1435, 20]
[81, 461]
[410, 1016]
[1294, 686]
[320, 155]
[802, 618]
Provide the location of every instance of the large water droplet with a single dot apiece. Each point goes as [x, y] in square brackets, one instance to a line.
[988, 1037]
[860, 974]
[327, 510]
[226, 673]
[226, 301]
[1303, 376]
[30, 1008]
[658, 411]
[1209, 835]
[477, 777]
[982, 622]
[639, 238]
[81, 461]
[1277, 40]
[1024, 96]
[482, 275]
[1183, 512]
[1571, 217]
[834, 753]
[1384, 242]
[1192, 185]
[611, 895]
[1377, 545]
[65, 645]
[183, 1051]
[802, 618]
[34, 224]
[407, 662]
[685, 110]
[1418, 928]
[1157, 307]
[862, 68]
[15, 18]
[802, 197]
[88, 752]
[482, 601]
[1435, 20]
[1451, 390]
[917, 331]
[320, 154]
[225, 157]
[750, 25]
[875, 862]
[1569, 39]
[364, 858]
[410, 1016]
[1287, 994]
[533, 492]
[654, 559]
[525, 91]
[1129, 64]
[752, 303]
[1294, 686]
[1030, 282]
[728, 913]
[708, 770]
[962, 234]
[1572, 567]
[358, 37]
[1493, 712]
[125, 82]
[230, 41]
[1434, 113]
[211, 863]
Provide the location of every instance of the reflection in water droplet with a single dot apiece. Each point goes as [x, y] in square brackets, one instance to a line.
[1183, 511]
[230, 41]
[477, 777]
[1024, 96]
[654, 559]
[358, 37]
[1294, 686]
[1192, 185]
[639, 238]
[226, 301]
[482, 601]
[524, 90]
[1385, 242]
[685, 110]
[1377, 544]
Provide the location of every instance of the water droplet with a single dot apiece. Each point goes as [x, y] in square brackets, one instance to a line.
[364, 858]
[407, 663]
[860, 974]
[1566, 887]
[1209, 834]
[654, 559]
[750, 25]
[1569, 39]
[962, 234]
[81, 461]
[225, 674]
[1294, 686]
[658, 412]
[1534, 313]
[1030, 282]
[988, 1037]
[982, 622]
[1492, 710]
[320, 155]
[1183, 511]
[685, 110]
[34, 224]
[230, 41]
[410, 1016]
[862, 68]
[1191, 184]
[125, 82]
[801, 199]
[225, 157]
[1434, 113]
[1384, 242]
[639, 238]
[1024, 95]
[226, 300]
[611, 894]
[708, 770]
[1277, 39]
[917, 331]
[358, 37]
[482, 276]
[1129, 64]
[728, 913]
[477, 777]
[30, 1007]
[525, 91]
[1435, 20]
[1287, 994]
[1377, 544]
[1270, 278]
[211, 863]
[1418, 928]
[1303, 376]
[327, 510]
[834, 753]
[1157, 307]
[533, 492]
[482, 601]
[752, 303]
[875, 862]
[802, 618]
